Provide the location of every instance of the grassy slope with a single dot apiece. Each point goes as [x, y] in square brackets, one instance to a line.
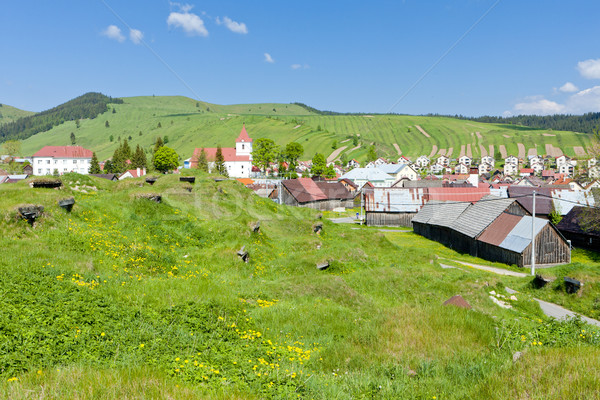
[208, 125]
[10, 113]
[130, 299]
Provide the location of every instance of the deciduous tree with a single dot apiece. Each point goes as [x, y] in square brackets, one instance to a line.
[318, 165]
[264, 152]
[165, 159]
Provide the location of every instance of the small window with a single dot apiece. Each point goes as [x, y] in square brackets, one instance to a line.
[242, 146]
[47, 161]
[74, 161]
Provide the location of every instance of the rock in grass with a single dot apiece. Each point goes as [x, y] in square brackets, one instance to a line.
[243, 254]
[458, 301]
[323, 265]
[516, 356]
[412, 373]
[256, 227]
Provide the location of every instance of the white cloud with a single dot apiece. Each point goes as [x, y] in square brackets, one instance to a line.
[568, 88]
[136, 36]
[237, 27]
[587, 100]
[539, 106]
[113, 32]
[300, 66]
[189, 22]
[182, 7]
[589, 68]
[268, 58]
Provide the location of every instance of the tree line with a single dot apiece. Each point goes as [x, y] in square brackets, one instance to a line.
[89, 105]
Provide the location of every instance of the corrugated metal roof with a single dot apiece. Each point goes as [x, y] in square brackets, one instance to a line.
[440, 213]
[543, 203]
[565, 200]
[457, 194]
[304, 190]
[391, 169]
[497, 231]
[520, 236]
[478, 216]
[370, 174]
[394, 199]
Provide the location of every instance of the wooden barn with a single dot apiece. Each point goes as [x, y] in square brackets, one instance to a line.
[494, 229]
[392, 206]
[320, 195]
[571, 227]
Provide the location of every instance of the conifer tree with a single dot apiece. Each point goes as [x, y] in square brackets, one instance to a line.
[94, 165]
[220, 162]
[126, 150]
[202, 161]
[139, 158]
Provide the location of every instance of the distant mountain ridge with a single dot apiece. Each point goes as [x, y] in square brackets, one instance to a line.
[89, 105]
[9, 113]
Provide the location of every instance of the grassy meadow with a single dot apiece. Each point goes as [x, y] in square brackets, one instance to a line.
[126, 298]
[9, 113]
[189, 124]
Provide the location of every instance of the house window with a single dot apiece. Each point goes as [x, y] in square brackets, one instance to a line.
[39, 170]
[242, 146]
[47, 161]
[74, 161]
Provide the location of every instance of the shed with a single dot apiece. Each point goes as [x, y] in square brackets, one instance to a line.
[393, 206]
[304, 192]
[435, 219]
[572, 228]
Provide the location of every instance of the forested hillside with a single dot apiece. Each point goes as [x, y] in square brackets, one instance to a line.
[87, 106]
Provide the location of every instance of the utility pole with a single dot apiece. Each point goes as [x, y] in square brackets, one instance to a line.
[533, 238]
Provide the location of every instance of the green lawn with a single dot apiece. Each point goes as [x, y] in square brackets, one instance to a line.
[126, 298]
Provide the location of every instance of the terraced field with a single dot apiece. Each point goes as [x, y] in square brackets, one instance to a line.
[189, 124]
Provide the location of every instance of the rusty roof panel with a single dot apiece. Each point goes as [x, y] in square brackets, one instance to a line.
[499, 229]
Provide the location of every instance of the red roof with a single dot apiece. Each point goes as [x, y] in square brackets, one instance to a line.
[229, 154]
[457, 194]
[134, 173]
[243, 136]
[499, 229]
[526, 170]
[64, 152]
[304, 190]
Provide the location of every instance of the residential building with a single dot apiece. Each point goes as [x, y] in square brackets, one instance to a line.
[443, 160]
[61, 159]
[461, 168]
[488, 160]
[510, 169]
[404, 160]
[360, 176]
[422, 161]
[511, 160]
[465, 160]
[484, 168]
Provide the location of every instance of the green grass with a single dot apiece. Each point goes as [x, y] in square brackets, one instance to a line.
[126, 298]
[10, 113]
[189, 126]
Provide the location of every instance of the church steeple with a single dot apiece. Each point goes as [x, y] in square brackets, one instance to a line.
[243, 144]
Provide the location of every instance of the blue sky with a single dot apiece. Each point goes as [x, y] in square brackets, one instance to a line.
[411, 56]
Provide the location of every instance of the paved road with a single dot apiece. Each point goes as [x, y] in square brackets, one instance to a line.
[558, 312]
[550, 309]
[344, 220]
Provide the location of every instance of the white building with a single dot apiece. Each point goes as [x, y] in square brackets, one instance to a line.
[360, 176]
[437, 169]
[422, 161]
[238, 160]
[404, 160]
[61, 160]
[132, 173]
[511, 169]
[461, 169]
[484, 167]
[511, 160]
[488, 160]
[465, 160]
[443, 160]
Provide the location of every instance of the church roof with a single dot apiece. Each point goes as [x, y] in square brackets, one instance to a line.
[243, 136]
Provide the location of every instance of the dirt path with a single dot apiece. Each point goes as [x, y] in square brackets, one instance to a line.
[478, 134]
[449, 152]
[553, 151]
[433, 152]
[462, 150]
[297, 126]
[442, 152]
[482, 150]
[354, 148]
[344, 141]
[397, 148]
[469, 153]
[491, 150]
[579, 151]
[335, 153]
[503, 151]
[547, 134]
[506, 136]
[532, 152]
[422, 131]
[521, 148]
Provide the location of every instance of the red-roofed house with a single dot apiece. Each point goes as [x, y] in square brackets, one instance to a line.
[238, 159]
[132, 173]
[61, 159]
[320, 195]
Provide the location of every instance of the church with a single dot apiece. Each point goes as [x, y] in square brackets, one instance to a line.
[238, 159]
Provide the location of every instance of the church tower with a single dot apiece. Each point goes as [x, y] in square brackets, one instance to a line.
[243, 144]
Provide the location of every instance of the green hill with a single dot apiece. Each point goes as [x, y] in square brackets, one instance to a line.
[189, 124]
[10, 114]
[126, 298]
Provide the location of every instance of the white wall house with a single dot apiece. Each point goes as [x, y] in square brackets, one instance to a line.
[443, 160]
[404, 160]
[511, 169]
[484, 168]
[461, 169]
[511, 160]
[422, 161]
[488, 160]
[61, 159]
[465, 160]
[360, 176]
[238, 159]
